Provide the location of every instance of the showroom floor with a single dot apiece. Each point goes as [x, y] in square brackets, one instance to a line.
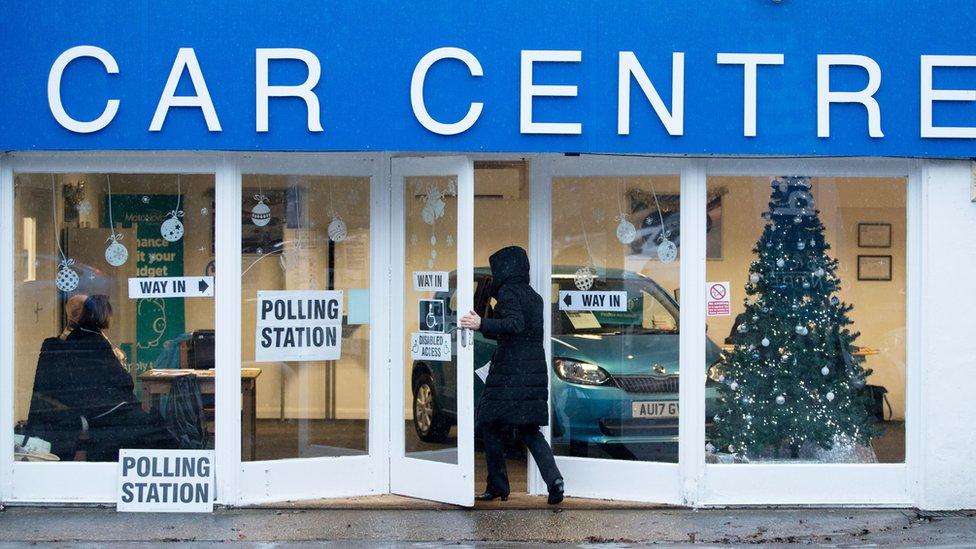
[278, 439]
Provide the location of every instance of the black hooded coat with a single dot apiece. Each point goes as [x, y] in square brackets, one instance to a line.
[517, 388]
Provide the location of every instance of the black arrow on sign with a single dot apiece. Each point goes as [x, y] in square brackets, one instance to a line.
[203, 285]
[568, 300]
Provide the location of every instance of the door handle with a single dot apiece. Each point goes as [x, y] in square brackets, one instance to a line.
[466, 336]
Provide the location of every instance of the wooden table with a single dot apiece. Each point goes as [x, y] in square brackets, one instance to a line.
[156, 383]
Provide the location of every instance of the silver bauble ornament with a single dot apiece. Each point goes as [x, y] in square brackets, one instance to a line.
[667, 251]
[733, 386]
[172, 229]
[67, 279]
[626, 232]
[825, 370]
[337, 229]
[765, 342]
[781, 400]
[116, 254]
[780, 262]
[800, 245]
[830, 396]
[583, 279]
[260, 213]
[754, 278]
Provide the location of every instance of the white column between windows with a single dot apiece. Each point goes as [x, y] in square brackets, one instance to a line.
[691, 420]
[6, 328]
[227, 324]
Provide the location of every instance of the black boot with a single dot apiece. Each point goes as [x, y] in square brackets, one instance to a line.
[556, 492]
[488, 496]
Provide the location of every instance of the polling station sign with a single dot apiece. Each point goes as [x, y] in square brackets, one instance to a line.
[297, 325]
[166, 481]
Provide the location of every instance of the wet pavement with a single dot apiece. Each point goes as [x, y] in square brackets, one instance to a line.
[103, 527]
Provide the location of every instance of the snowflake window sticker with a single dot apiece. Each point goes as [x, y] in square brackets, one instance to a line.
[434, 206]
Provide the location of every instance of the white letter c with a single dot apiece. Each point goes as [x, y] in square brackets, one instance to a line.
[417, 91]
[54, 89]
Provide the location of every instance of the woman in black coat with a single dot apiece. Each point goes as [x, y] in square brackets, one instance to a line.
[517, 388]
[89, 381]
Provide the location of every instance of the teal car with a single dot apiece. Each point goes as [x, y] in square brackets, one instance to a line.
[614, 386]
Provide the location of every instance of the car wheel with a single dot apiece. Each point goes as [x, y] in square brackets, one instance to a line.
[428, 418]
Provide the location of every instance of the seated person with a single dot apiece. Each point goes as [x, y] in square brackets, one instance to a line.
[82, 376]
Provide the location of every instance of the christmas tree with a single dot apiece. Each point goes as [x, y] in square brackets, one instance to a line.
[790, 378]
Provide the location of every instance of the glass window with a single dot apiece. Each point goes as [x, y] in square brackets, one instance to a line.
[812, 333]
[614, 391]
[305, 294]
[105, 330]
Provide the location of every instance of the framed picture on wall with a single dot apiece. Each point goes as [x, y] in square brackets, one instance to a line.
[874, 235]
[874, 267]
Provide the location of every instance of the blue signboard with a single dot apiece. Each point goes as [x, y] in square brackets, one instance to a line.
[750, 77]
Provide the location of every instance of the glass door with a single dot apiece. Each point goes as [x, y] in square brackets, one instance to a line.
[312, 280]
[616, 270]
[431, 388]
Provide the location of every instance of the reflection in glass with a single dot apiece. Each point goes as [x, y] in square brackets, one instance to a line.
[813, 367]
[96, 368]
[614, 390]
[307, 234]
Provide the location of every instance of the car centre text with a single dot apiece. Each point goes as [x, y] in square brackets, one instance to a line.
[629, 70]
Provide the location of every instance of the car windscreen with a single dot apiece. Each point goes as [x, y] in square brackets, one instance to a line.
[649, 310]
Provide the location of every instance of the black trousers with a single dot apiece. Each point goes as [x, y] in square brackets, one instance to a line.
[493, 435]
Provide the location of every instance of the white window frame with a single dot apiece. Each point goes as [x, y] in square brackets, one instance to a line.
[25, 482]
[700, 485]
[887, 485]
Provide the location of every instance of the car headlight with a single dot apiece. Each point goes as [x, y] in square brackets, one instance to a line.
[580, 372]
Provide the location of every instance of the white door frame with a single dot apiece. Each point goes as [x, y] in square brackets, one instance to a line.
[410, 476]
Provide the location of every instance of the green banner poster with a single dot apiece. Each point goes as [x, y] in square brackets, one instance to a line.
[159, 320]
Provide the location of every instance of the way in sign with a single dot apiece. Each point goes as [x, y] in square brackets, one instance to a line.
[172, 286]
[593, 301]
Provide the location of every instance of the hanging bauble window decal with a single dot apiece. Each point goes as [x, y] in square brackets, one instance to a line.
[172, 229]
[584, 277]
[667, 251]
[116, 254]
[626, 232]
[67, 278]
[261, 212]
[337, 229]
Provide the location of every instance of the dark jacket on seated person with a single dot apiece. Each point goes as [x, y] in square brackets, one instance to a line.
[82, 377]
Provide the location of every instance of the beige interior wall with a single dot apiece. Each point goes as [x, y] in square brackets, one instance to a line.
[879, 307]
[36, 308]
